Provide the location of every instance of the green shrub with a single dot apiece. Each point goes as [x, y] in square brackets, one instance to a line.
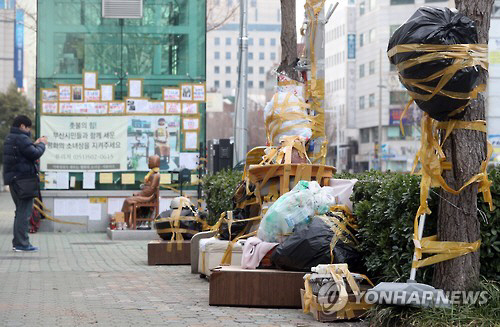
[385, 205]
[218, 190]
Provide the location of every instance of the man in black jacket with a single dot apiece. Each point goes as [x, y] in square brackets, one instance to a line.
[19, 157]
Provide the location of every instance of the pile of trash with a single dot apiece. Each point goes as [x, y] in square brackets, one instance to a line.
[303, 229]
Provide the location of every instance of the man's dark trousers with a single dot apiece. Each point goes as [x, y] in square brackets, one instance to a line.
[24, 208]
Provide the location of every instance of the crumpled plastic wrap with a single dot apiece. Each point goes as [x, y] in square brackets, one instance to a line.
[294, 106]
[295, 207]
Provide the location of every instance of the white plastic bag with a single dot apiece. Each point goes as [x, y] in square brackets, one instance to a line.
[305, 200]
[293, 105]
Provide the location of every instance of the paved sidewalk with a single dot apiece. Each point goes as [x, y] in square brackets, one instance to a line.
[87, 280]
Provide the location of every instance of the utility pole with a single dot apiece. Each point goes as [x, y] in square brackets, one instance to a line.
[380, 86]
[240, 117]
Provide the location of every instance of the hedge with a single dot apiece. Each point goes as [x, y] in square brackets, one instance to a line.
[218, 190]
[385, 205]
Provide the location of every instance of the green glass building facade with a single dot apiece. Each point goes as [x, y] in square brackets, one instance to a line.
[166, 47]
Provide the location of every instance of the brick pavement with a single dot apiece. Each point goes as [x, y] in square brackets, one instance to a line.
[87, 280]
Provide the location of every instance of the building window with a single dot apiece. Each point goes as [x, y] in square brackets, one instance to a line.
[402, 2]
[361, 70]
[374, 134]
[228, 84]
[250, 84]
[216, 84]
[362, 102]
[228, 55]
[398, 97]
[273, 55]
[261, 70]
[217, 55]
[361, 39]
[261, 84]
[216, 69]
[371, 100]
[228, 41]
[261, 55]
[250, 41]
[371, 67]
[393, 68]
[371, 35]
[250, 56]
[228, 69]
[364, 135]
[393, 29]
[273, 41]
[250, 70]
[229, 3]
[217, 41]
[261, 41]
[253, 3]
[362, 8]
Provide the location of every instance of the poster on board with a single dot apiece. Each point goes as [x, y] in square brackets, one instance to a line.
[150, 135]
[97, 143]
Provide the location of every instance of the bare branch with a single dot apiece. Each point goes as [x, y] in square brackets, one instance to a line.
[217, 16]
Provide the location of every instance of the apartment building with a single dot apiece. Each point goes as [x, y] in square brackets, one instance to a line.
[264, 30]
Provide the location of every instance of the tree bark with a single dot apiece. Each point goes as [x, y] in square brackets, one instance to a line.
[288, 39]
[457, 218]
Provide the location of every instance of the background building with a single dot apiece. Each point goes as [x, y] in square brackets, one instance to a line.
[264, 28]
[7, 42]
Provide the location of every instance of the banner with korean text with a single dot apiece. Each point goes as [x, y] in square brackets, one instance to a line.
[81, 143]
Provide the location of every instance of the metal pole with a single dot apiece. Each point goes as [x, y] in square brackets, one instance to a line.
[240, 130]
[380, 112]
[337, 159]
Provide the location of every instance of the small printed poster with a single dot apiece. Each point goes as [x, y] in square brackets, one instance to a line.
[156, 107]
[171, 94]
[90, 80]
[49, 94]
[186, 92]
[191, 140]
[190, 123]
[199, 93]
[135, 88]
[173, 108]
[64, 92]
[77, 93]
[117, 107]
[137, 105]
[49, 107]
[66, 108]
[107, 92]
[190, 108]
[92, 95]
[101, 108]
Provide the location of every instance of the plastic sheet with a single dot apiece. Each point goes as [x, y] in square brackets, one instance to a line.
[304, 201]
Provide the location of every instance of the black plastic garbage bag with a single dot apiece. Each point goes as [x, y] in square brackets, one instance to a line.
[309, 246]
[236, 227]
[191, 225]
[440, 26]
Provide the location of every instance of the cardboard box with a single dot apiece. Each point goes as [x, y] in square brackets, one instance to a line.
[269, 288]
[160, 253]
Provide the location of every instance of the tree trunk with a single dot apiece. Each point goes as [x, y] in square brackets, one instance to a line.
[288, 39]
[458, 219]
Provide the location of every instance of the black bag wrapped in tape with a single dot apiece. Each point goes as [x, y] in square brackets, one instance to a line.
[236, 227]
[309, 246]
[437, 26]
[191, 225]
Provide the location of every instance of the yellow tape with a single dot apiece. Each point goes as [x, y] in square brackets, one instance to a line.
[442, 250]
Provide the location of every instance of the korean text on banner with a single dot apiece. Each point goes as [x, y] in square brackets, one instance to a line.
[84, 143]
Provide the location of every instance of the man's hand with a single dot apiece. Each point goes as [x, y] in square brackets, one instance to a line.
[42, 139]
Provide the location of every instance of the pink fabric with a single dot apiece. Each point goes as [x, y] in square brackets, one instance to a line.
[253, 252]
